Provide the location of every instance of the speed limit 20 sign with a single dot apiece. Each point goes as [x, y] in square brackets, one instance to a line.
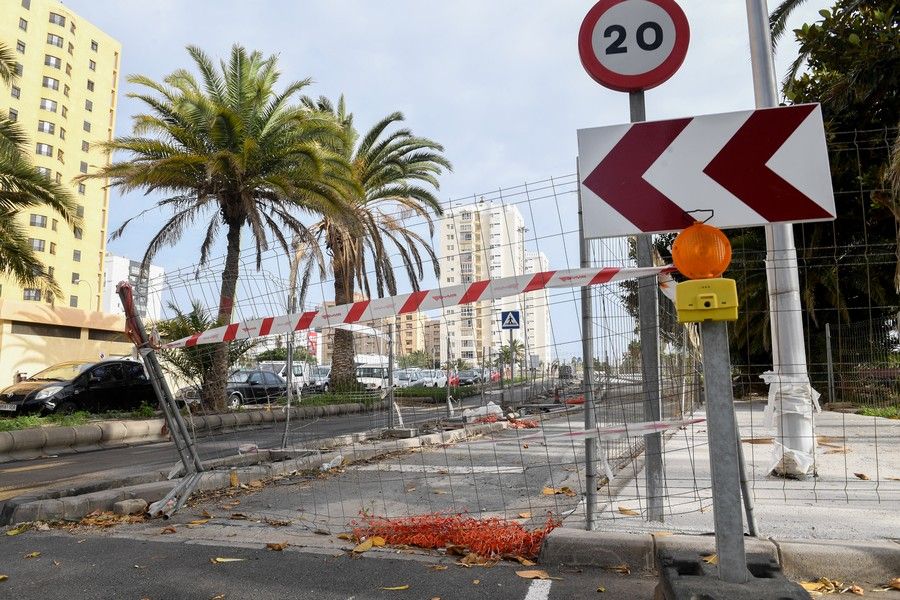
[631, 45]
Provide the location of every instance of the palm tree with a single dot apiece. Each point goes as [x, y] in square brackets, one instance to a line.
[509, 354]
[22, 187]
[232, 150]
[394, 172]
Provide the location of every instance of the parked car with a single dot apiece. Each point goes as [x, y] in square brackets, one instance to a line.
[320, 378]
[407, 377]
[469, 377]
[301, 378]
[254, 387]
[80, 385]
[432, 378]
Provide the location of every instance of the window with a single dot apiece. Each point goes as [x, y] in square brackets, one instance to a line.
[54, 225]
[54, 40]
[75, 277]
[73, 301]
[50, 82]
[20, 47]
[88, 106]
[62, 133]
[81, 190]
[16, 92]
[13, 115]
[44, 171]
[36, 245]
[23, 24]
[87, 126]
[57, 19]
[44, 149]
[90, 85]
[79, 233]
[85, 147]
[94, 45]
[52, 61]
[60, 156]
[72, 27]
[65, 112]
[48, 104]
[71, 48]
[58, 177]
[37, 220]
[92, 65]
[26, 4]
[52, 247]
[19, 69]
[83, 167]
[66, 90]
[76, 255]
[68, 69]
[31, 294]
[79, 210]
[50, 271]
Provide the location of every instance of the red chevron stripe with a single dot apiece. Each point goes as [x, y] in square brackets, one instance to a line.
[356, 311]
[414, 301]
[539, 281]
[266, 326]
[474, 292]
[192, 341]
[604, 275]
[305, 320]
[230, 332]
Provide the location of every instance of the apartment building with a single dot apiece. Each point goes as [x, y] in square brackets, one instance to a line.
[537, 313]
[147, 287]
[65, 100]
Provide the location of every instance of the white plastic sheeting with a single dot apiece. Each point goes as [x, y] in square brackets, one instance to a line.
[793, 452]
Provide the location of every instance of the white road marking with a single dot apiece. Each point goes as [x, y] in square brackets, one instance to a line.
[539, 590]
[439, 469]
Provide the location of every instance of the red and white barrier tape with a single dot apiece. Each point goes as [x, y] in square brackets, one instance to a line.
[379, 308]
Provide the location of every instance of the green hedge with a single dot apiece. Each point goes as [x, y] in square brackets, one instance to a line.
[437, 394]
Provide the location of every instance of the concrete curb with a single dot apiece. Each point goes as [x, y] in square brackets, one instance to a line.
[24, 444]
[74, 504]
[865, 561]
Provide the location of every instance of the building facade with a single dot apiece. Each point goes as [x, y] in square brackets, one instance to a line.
[147, 289]
[64, 98]
[537, 313]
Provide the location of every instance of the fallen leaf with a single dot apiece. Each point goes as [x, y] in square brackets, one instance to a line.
[524, 515]
[345, 536]
[239, 516]
[893, 478]
[276, 522]
[856, 590]
[475, 560]
[205, 514]
[17, 530]
[218, 597]
[168, 530]
[438, 567]
[396, 588]
[862, 476]
[277, 546]
[457, 550]
[533, 574]
[601, 589]
[139, 566]
[525, 446]
[759, 440]
[32, 555]
[364, 546]
[629, 512]
[233, 479]
[56, 563]
[198, 522]
[322, 532]
[622, 569]
[219, 560]
[525, 562]
[566, 490]
[476, 581]
[711, 559]
[4, 577]
[837, 451]
[894, 583]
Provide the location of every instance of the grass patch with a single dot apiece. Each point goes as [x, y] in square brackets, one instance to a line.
[888, 412]
[29, 421]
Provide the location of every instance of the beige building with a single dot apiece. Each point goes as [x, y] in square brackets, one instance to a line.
[537, 312]
[65, 100]
[432, 329]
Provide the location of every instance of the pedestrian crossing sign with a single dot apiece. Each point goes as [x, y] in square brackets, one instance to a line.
[509, 319]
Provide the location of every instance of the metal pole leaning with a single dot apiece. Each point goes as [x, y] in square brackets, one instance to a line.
[648, 317]
[587, 353]
[723, 450]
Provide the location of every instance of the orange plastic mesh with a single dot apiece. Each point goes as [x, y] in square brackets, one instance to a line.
[491, 537]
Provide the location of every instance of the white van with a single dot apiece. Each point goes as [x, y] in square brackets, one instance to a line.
[302, 377]
[373, 377]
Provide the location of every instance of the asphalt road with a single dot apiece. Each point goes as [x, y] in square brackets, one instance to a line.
[29, 476]
[86, 565]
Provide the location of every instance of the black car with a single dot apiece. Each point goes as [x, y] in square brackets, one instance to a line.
[254, 387]
[79, 385]
[469, 377]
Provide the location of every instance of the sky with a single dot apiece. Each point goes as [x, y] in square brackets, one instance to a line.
[498, 83]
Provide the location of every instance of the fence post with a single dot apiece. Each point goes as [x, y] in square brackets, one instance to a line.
[390, 381]
[830, 360]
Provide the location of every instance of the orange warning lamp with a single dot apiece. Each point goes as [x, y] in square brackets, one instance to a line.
[701, 252]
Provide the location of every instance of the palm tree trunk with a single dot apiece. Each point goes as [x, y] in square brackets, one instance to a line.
[343, 367]
[215, 378]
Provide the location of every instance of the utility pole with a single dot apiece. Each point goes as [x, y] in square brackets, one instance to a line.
[587, 352]
[793, 416]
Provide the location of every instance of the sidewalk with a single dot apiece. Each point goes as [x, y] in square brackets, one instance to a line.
[836, 505]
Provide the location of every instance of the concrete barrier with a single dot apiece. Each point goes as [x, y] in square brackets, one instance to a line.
[41, 441]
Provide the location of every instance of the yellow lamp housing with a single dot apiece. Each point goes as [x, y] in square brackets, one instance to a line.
[701, 300]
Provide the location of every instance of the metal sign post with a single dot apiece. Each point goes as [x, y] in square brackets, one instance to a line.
[587, 383]
[509, 319]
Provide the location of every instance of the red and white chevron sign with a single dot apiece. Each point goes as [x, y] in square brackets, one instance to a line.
[379, 308]
[750, 168]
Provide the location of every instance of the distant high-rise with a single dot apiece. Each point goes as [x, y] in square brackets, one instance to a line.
[65, 100]
[147, 287]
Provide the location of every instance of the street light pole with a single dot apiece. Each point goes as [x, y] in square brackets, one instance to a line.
[90, 291]
[523, 230]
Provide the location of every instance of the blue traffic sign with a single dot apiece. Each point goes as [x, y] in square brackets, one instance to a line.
[509, 319]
